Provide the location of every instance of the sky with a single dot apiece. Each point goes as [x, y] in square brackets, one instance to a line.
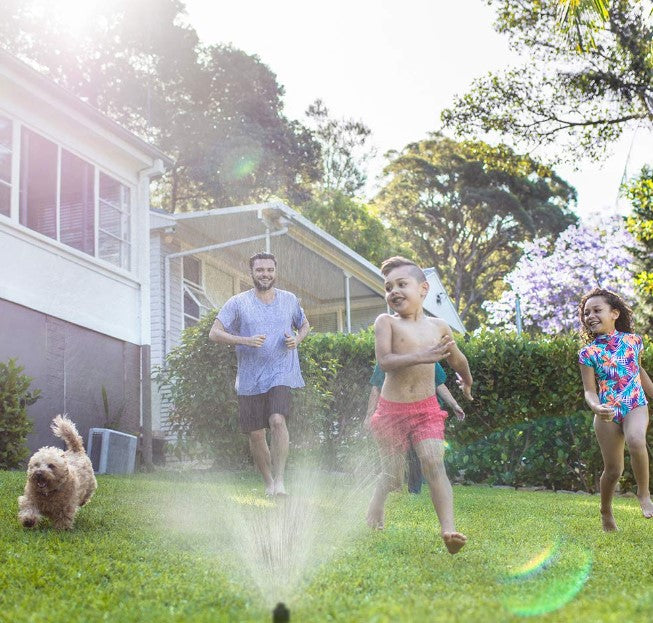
[394, 66]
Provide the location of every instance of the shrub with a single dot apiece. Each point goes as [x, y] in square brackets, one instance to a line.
[528, 423]
[15, 397]
[198, 384]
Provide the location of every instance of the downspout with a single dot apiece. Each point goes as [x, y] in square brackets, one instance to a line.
[347, 300]
[157, 169]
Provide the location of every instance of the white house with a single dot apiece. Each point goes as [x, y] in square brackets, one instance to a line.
[74, 253]
[200, 259]
[95, 288]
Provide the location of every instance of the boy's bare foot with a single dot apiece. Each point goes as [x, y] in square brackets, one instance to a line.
[609, 524]
[454, 541]
[647, 506]
[375, 517]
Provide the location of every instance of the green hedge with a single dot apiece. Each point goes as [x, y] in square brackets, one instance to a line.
[528, 424]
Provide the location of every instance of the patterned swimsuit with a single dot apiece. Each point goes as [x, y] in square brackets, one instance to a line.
[615, 359]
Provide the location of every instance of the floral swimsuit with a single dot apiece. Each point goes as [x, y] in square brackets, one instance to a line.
[615, 359]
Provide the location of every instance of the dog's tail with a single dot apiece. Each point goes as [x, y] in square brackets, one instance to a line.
[64, 428]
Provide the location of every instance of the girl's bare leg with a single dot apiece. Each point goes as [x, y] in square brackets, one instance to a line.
[390, 478]
[431, 456]
[635, 425]
[611, 442]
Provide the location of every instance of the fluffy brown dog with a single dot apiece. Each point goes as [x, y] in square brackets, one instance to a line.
[58, 482]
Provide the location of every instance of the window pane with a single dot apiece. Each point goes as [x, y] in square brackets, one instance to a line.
[76, 204]
[115, 231]
[191, 308]
[114, 193]
[38, 183]
[5, 150]
[192, 271]
[5, 198]
[114, 222]
[113, 250]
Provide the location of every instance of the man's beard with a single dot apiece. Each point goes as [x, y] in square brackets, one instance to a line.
[262, 287]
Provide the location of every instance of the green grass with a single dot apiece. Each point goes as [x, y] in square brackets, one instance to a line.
[142, 551]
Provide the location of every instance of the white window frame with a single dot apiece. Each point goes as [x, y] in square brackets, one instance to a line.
[16, 155]
[196, 292]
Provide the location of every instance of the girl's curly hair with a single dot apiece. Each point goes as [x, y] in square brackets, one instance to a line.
[625, 321]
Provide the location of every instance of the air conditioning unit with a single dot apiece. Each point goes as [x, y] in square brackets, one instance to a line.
[111, 452]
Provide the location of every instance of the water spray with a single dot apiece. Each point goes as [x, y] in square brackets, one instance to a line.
[281, 614]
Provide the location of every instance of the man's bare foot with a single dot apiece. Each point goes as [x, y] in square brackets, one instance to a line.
[609, 524]
[454, 541]
[647, 506]
[279, 489]
[375, 517]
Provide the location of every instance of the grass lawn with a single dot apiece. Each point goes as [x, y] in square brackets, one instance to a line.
[163, 548]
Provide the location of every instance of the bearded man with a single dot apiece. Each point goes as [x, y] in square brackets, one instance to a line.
[266, 325]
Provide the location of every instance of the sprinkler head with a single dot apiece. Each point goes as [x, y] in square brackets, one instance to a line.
[281, 614]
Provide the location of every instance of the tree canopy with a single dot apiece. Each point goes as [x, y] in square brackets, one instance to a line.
[464, 208]
[580, 95]
[550, 278]
[217, 111]
[640, 225]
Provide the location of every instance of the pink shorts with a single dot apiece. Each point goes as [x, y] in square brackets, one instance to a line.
[403, 423]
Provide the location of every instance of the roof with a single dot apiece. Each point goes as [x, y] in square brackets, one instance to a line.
[319, 260]
[10, 63]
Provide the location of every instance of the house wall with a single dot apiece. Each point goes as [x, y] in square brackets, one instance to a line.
[70, 364]
[76, 321]
[60, 282]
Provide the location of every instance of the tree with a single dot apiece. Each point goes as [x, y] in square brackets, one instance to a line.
[640, 225]
[465, 208]
[217, 111]
[344, 150]
[550, 278]
[355, 224]
[585, 93]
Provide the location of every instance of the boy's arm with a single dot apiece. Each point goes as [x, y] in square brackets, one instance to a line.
[391, 361]
[459, 363]
[605, 412]
[443, 392]
[372, 401]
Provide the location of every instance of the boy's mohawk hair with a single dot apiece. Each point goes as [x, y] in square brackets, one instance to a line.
[395, 262]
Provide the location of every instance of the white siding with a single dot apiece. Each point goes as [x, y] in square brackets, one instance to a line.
[46, 276]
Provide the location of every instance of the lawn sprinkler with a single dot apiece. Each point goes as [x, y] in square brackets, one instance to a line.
[281, 614]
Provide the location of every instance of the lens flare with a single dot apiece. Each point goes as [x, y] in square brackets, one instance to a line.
[243, 162]
[535, 565]
[548, 581]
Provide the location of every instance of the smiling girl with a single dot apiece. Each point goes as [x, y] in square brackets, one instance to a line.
[620, 407]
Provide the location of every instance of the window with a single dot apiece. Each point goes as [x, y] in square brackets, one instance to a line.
[192, 270]
[196, 303]
[38, 184]
[77, 203]
[57, 197]
[5, 165]
[114, 233]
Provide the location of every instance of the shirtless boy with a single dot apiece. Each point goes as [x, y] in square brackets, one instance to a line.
[408, 343]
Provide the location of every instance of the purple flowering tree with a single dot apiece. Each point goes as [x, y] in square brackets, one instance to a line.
[550, 278]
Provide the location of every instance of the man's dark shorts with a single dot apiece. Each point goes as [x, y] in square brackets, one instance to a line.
[254, 411]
